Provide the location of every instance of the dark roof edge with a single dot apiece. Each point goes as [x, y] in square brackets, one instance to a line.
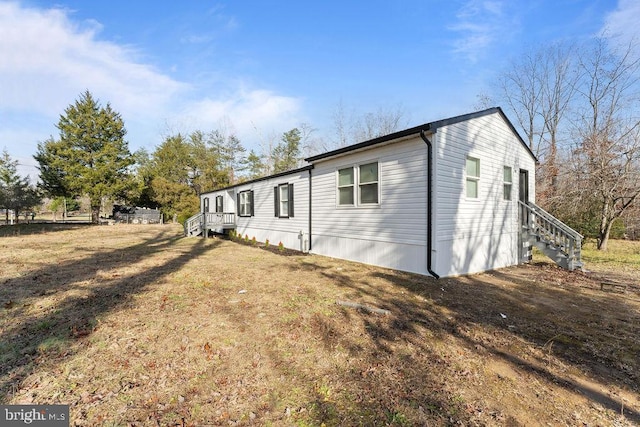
[264, 178]
[432, 126]
[365, 144]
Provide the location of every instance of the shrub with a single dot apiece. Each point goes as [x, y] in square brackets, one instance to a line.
[266, 243]
[280, 246]
[254, 241]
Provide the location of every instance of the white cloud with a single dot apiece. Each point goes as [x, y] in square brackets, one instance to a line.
[48, 59]
[622, 23]
[479, 24]
[249, 113]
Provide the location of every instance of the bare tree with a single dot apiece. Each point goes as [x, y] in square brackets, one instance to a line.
[607, 157]
[539, 89]
[578, 111]
[558, 85]
[520, 87]
[341, 126]
[351, 128]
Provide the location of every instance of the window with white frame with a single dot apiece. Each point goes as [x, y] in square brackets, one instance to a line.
[473, 177]
[362, 179]
[283, 200]
[368, 183]
[245, 203]
[507, 183]
[219, 204]
[346, 180]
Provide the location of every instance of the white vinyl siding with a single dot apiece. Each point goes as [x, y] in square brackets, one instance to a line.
[470, 234]
[473, 235]
[263, 225]
[390, 232]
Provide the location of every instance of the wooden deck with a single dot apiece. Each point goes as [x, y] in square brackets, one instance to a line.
[195, 225]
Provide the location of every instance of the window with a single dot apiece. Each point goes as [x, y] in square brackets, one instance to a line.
[345, 186]
[283, 200]
[245, 203]
[205, 205]
[364, 178]
[219, 204]
[369, 183]
[473, 177]
[508, 183]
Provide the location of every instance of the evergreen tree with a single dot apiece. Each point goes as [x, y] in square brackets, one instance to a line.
[171, 171]
[254, 165]
[286, 155]
[91, 157]
[16, 193]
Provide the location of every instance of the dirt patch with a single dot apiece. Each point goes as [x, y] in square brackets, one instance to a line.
[136, 325]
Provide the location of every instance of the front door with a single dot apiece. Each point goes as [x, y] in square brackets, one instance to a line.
[524, 246]
[524, 185]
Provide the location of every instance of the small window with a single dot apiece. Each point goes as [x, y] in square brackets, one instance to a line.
[245, 203]
[219, 204]
[205, 205]
[345, 186]
[368, 183]
[508, 183]
[283, 200]
[473, 177]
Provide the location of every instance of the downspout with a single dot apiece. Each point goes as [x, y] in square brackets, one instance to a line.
[309, 248]
[429, 203]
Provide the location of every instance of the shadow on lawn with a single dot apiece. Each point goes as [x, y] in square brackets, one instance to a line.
[22, 344]
[24, 229]
[452, 307]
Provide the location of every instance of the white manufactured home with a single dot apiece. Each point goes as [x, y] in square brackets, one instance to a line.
[450, 197]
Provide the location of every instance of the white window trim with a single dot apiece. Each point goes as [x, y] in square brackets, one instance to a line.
[352, 186]
[472, 178]
[509, 183]
[356, 186]
[283, 213]
[245, 213]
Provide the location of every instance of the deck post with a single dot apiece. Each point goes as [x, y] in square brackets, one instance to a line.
[205, 232]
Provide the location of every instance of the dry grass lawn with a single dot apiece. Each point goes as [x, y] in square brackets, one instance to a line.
[137, 326]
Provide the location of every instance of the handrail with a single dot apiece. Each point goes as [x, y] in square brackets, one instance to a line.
[220, 218]
[208, 220]
[192, 223]
[553, 234]
[552, 219]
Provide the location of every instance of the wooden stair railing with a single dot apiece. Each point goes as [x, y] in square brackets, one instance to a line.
[554, 238]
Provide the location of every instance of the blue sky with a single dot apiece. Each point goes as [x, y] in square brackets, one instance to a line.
[260, 68]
